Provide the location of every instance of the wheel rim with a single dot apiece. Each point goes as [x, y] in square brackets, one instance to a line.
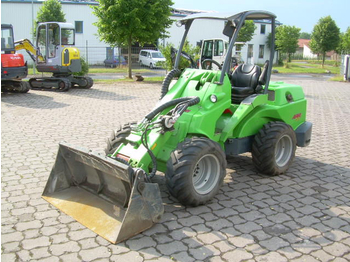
[283, 151]
[206, 174]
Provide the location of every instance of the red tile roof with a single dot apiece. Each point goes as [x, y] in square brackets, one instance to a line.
[303, 42]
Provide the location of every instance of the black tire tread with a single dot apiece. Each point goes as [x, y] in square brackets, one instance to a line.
[179, 170]
[263, 149]
[117, 137]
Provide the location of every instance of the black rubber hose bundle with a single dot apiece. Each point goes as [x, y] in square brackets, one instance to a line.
[192, 100]
[166, 82]
[184, 103]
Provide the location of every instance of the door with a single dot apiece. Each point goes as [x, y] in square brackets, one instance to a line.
[53, 40]
[215, 50]
[41, 41]
[207, 51]
[219, 52]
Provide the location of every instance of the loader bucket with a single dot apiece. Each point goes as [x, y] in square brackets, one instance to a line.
[103, 194]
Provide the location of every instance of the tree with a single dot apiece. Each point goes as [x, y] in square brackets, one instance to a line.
[192, 51]
[287, 40]
[50, 11]
[247, 32]
[305, 35]
[344, 46]
[325, 37]
[124, 22]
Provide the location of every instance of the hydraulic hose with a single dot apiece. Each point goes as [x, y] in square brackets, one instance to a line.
[154, 112]
[181, 105]
[167, 80]
[193, 100]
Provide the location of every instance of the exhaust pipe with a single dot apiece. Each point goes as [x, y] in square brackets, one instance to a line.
[109, 197]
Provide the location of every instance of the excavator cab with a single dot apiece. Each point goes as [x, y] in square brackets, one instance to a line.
[7, 45]
[55, 44]
[13, 66]
[55, 52]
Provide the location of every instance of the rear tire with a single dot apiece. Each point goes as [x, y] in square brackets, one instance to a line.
[274, 148]
[117, 137]
[151, 66]
[195, 171]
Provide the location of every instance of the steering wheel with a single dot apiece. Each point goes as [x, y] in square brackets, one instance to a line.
[204, 66]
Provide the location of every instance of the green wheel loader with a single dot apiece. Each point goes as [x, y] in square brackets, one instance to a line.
[202, 117]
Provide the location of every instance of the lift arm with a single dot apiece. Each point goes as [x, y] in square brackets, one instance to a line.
[184, 55]
[27, 45]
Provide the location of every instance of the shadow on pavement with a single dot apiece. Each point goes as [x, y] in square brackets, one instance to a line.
[98, 94]
[30, 100]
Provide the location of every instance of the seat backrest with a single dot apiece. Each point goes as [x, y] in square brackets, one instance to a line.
[246, 76]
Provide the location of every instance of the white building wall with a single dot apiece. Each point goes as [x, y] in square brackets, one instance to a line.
[307, 53]
[200, 29]
[21, 14]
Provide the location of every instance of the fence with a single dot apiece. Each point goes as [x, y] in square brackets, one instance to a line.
[95, 55]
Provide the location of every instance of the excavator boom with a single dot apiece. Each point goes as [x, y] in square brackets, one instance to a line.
[33, 52]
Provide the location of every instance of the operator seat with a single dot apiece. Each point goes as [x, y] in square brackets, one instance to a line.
[244, 80]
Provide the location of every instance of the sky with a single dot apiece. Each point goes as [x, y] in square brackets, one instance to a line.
[303, 14]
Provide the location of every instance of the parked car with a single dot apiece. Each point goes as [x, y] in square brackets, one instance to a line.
[114, 62]
[151, 58]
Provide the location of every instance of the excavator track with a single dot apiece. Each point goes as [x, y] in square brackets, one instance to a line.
[50, 83]
[82, 82]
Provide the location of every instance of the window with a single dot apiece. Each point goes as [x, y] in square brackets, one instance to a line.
[157, 55]
[79, 27]
[261, 51]
[41, 40]
[67, 36]
[219, 48]
[262, 29]
[54, 39]
[6, 38]
[207, 50]
[238, 49]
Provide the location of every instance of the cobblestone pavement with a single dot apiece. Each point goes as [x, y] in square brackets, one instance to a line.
[303, 215]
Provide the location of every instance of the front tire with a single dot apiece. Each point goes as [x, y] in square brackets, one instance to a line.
[274, 148]
[117, 138]
[195, 171]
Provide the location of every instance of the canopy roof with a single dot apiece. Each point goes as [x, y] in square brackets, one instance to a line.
[248, 15]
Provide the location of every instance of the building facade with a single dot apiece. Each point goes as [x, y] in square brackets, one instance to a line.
[95, 51]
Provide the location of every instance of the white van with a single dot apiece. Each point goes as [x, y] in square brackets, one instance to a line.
[151, 58]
